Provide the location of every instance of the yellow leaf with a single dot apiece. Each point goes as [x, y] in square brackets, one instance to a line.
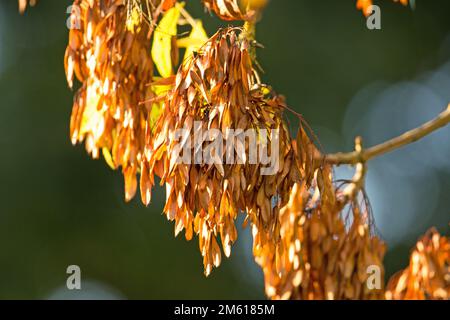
[254, 4]
[157, 106]
[162, 41]
[195, 41]
[134, 19]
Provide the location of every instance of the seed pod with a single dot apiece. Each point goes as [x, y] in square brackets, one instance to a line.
[217, 90]
[428, 273]
[227, 9]
[364, 5]
[24, 3]
[317, 256]
[114, 66]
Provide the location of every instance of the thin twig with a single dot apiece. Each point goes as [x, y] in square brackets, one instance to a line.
[411, 136]
[155, 17]
[187, 16]
[357, 183]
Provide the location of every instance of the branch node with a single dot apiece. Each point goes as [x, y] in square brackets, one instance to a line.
[362, 156]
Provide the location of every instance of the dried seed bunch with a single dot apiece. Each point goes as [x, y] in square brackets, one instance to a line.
[428, 273]
[24, 3]
[364, 5]
[217, 89]
[114, 66]
[254, 4]
[228, 10]
[313, 254]
[307, 247]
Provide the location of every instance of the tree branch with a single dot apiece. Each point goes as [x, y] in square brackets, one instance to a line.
[351, 191]
[408, 137]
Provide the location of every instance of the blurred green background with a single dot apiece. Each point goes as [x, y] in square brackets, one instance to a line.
[58, 207]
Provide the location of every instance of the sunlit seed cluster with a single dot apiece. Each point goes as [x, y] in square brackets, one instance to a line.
[24, 3]
[219, 89]
[114, 66]
[364, 5]
[227, 10]
[428, 273]
[316, 255]
[312, 239]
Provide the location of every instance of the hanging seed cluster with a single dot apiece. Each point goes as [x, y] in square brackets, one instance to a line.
[428, 273]
[315, 255]
[113, 64]
[227, 10]
[217, 89]
[24, 3]
[364, 5]
[312, 240]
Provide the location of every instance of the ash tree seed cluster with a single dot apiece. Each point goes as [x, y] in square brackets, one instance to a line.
[313, 238]
[24, 3]
[364, 5]
[114, 67]
[217, 88]
[428, 274]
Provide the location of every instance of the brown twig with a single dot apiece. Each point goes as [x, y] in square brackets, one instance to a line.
[351, 191]
[408, 137]
[155, 17]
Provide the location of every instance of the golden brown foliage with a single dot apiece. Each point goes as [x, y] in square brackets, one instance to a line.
[314, 255]
[312, 239]
[227, 9]
[364, 5]
[114, 67]
[217, 88]
[428, 273]
[24, 3]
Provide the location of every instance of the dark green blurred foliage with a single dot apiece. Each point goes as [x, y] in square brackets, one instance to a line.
[58, 207]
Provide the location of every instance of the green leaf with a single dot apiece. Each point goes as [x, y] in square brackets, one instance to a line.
[162, 41]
